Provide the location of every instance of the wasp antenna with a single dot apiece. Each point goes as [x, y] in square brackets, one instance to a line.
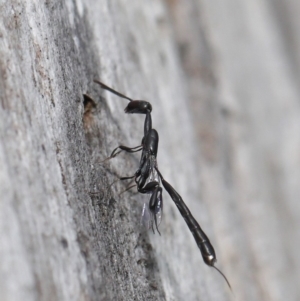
[103, 86]
[223, 277]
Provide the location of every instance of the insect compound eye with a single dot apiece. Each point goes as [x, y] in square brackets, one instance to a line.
[144, 107]
[149, 107]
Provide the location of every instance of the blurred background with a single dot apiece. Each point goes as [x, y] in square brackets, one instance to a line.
[241, 60]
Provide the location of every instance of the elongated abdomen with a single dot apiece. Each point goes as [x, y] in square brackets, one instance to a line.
[206, 248]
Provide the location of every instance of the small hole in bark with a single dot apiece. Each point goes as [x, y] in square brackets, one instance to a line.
[89, 104]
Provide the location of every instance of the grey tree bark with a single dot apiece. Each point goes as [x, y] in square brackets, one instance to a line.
[222, 77]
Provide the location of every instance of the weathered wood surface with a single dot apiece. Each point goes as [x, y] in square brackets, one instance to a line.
[222, 77]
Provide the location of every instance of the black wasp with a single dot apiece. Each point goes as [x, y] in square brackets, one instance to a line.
[148, 177]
